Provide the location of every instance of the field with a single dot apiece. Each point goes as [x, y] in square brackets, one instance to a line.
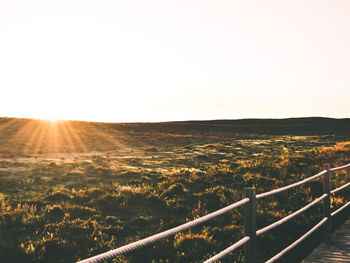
[69, 189]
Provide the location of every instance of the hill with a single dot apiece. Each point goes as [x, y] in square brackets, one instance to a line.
[23, 137]
[71, 189]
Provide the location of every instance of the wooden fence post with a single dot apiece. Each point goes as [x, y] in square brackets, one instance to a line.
[327, 204]
[250, 225]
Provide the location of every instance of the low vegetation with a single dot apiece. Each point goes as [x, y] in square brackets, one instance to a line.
[92, 187]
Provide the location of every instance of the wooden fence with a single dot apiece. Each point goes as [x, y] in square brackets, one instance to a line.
[250, 239]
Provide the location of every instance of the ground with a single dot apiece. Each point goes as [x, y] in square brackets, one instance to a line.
[69, 190]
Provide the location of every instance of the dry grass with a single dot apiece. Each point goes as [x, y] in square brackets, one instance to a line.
[87, 188]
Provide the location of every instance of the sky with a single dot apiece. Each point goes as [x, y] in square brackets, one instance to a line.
[162, 60]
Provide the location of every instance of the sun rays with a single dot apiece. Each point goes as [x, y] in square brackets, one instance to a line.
[35, 137]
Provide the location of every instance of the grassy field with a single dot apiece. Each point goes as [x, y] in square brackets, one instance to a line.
[69, 189]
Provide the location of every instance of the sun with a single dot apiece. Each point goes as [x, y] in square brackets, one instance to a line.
[50, 117]
[52, 121]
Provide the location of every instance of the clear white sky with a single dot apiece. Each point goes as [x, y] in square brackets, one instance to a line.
[158, 60]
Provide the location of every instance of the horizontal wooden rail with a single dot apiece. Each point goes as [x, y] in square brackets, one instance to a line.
[340, 209]
[287, 218]
[282, 189]
[149, 240]
[249, 240]
[340, 188]
[297, 242]
[228, 250]
[340, 167]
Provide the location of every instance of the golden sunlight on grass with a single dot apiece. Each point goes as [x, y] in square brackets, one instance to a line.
[28, 137]
[70, 189]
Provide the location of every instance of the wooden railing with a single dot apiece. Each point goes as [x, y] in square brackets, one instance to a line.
[249, 218]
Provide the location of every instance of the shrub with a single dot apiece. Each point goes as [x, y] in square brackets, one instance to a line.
[58, 197]
[109, 203]
[174, 190]
[81, 212]
[54, 213]
[152, 149]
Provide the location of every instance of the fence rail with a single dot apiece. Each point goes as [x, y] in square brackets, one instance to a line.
[249, 203]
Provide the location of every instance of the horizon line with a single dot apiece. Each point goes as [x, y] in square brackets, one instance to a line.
[173, 121]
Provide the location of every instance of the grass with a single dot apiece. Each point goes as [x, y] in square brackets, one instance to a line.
[70, 190]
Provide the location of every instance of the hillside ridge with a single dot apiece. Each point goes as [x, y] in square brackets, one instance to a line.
[19, 136]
